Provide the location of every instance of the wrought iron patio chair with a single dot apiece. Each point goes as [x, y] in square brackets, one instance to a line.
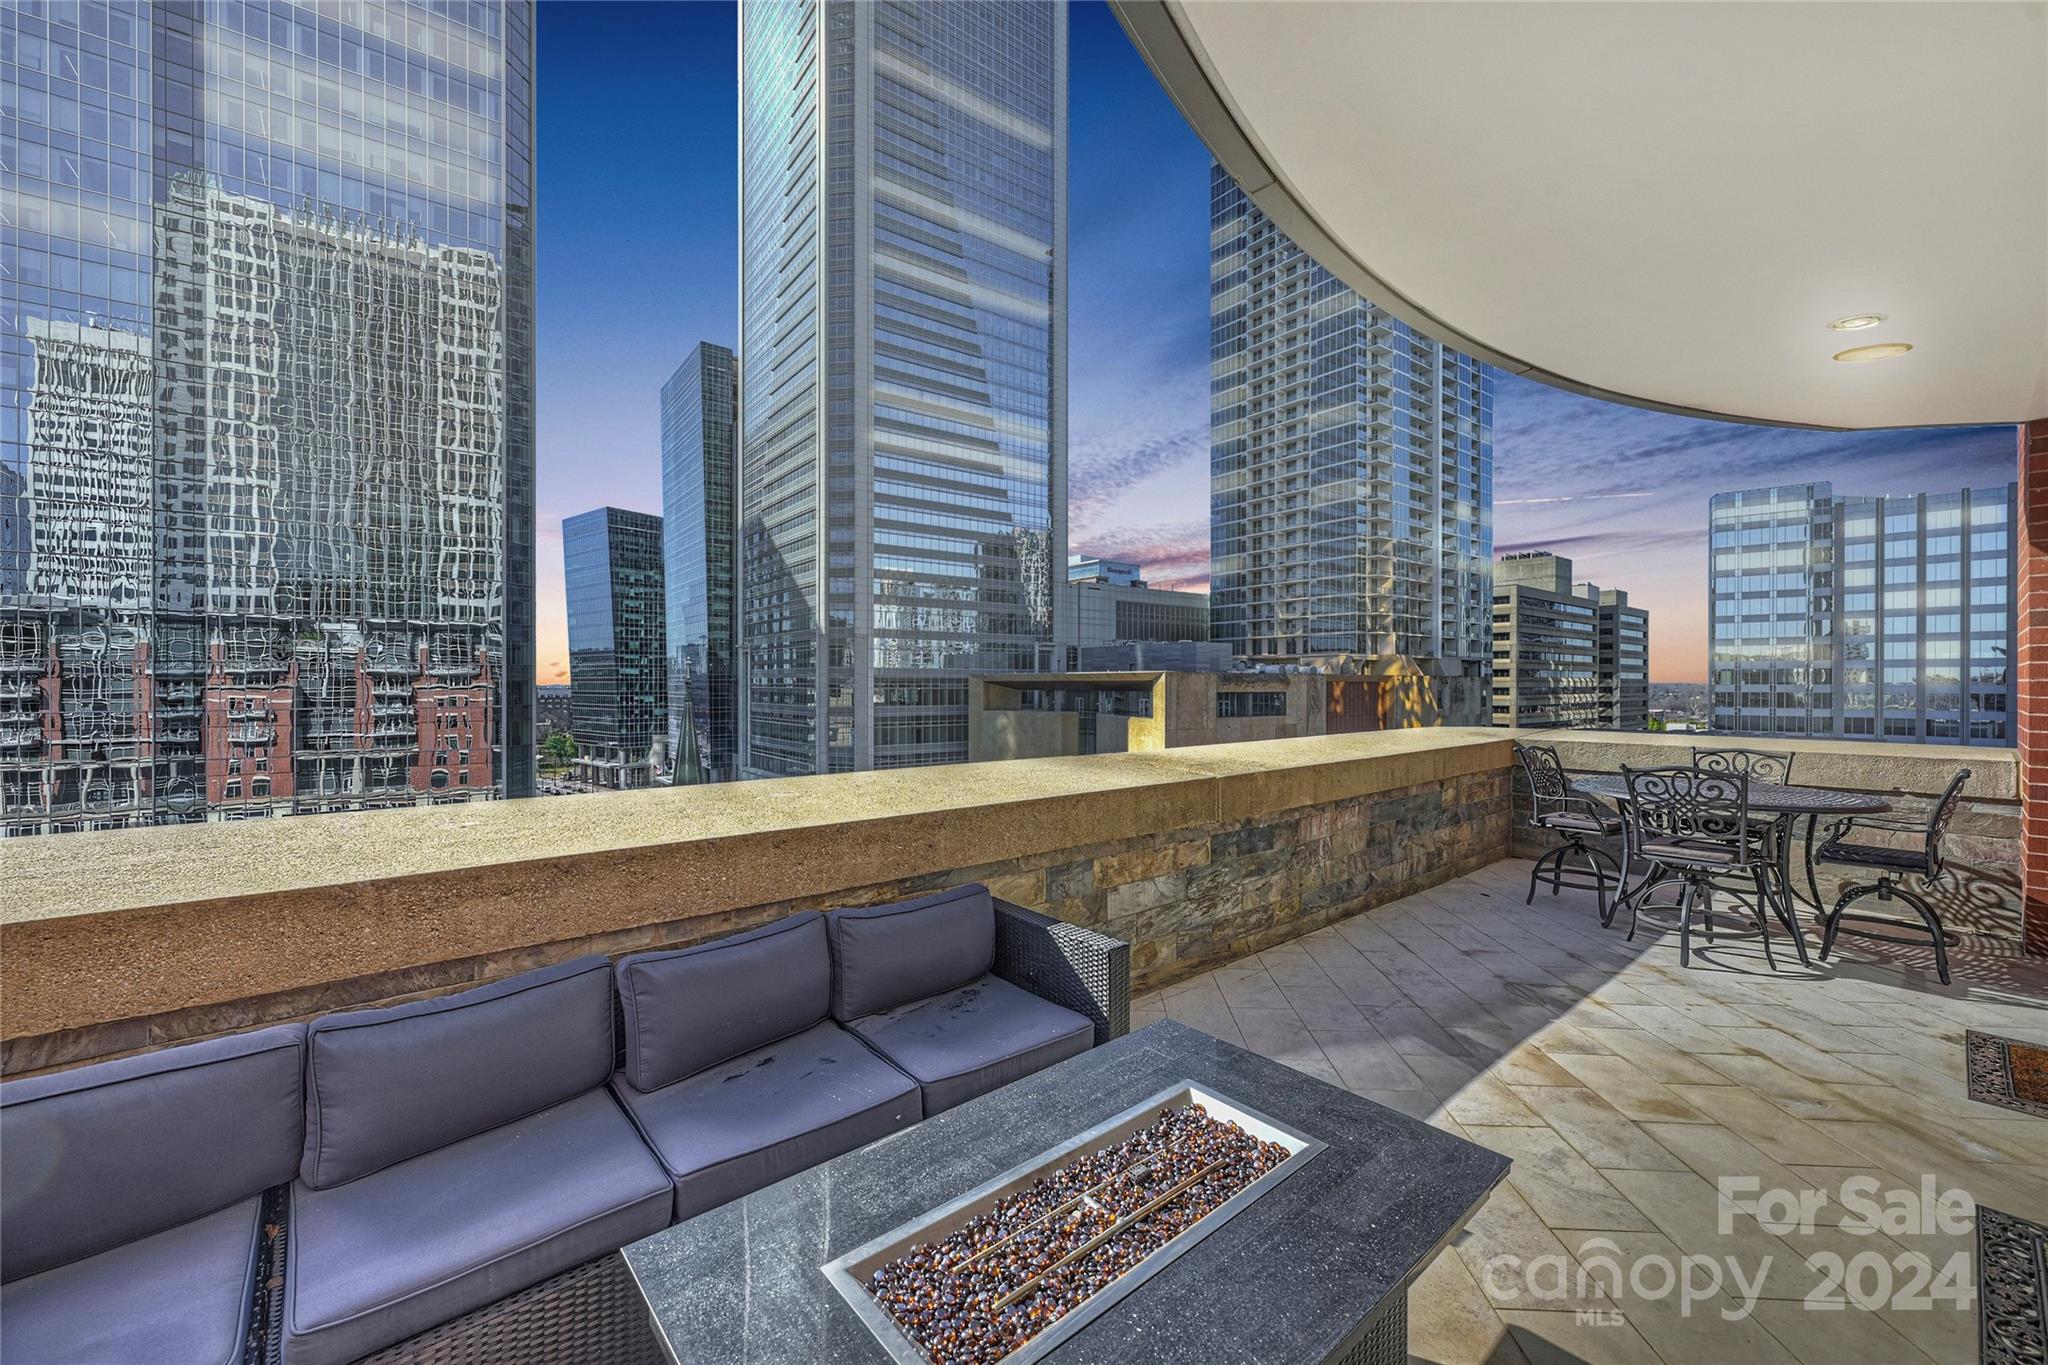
[1758, 765]
[1557, 810]
[1922, 860]
[1695, 826]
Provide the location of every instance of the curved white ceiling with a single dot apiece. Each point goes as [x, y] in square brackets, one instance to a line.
[1663, 203]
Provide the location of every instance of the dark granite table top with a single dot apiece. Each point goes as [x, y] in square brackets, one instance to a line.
[1285, 1280]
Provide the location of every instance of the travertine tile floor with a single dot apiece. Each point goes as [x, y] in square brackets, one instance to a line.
[1633, 1094]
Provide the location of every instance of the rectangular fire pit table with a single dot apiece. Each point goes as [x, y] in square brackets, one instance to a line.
[1314, 1269]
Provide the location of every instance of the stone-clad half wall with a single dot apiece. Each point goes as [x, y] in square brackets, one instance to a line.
[123, 940]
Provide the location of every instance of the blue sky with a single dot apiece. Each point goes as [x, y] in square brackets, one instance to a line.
[638, 262]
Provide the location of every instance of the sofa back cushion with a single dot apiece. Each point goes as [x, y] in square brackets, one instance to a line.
[696, 1007]
[889, 955]
[105, 1154]
[386, 1084]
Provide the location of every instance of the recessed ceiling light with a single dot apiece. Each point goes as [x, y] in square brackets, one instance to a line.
[1884, 350]
[1856, 322]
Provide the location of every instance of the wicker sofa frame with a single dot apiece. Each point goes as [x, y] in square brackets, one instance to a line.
[592, 1314]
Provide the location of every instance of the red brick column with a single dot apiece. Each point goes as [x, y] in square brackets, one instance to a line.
[2032, 679]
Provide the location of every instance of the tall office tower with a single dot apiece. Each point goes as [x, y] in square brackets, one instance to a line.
[618, 656]
[903, 393]
[1624, 662]
[698, 405]
[1863, 617]
[1565, 653]
[1351, 470]
[1546, 644]
[266, 410]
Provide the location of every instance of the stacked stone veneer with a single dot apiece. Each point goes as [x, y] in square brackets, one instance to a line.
[1197, 898]
[1195, 857]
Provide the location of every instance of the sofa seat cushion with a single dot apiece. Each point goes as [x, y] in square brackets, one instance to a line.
[969, 1041]
[379, 1259]
[767, 1114]
[181, 1297]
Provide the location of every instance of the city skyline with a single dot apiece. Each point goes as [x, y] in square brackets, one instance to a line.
[1621, 490]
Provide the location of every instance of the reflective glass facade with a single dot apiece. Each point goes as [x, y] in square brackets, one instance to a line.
[265, 409]
[698, 405]
[1863, 617]
[902, 378]
[1351, 469]
[618, 689]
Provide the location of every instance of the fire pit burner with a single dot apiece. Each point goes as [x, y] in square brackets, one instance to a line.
[1009, 1270]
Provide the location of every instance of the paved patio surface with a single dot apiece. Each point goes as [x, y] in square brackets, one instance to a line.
[1630, 1091]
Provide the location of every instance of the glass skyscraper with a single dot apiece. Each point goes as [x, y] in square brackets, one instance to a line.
[1351, 471]
[266, 426]
[698, 405]
[1863, 617]
[618, 690]
[903, 404]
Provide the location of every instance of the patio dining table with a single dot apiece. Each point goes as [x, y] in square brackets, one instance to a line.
[1770, 799]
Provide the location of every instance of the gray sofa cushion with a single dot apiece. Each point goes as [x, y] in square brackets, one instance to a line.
[385, 1257]
[109, 1153]
[700, 1006]
[387, 1084]
[770, 1113]
[969, 1041]
[889, 955]
[181, 1297]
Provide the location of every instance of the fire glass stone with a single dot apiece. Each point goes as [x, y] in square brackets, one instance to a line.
[987, 1289]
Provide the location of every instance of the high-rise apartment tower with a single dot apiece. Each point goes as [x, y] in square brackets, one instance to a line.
[1351, 470]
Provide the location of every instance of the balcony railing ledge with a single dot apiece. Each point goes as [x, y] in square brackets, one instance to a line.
[127, 939]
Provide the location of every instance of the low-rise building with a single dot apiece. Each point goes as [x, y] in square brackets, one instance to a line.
[1046, 715]
[1108, 601]
[551, 710]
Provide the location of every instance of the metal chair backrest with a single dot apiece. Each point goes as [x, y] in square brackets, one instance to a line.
[1759, 765]
[1937, 821]
[1688, 803]
[1549, 789]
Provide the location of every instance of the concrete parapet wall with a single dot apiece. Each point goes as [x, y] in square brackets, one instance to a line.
[123, 940]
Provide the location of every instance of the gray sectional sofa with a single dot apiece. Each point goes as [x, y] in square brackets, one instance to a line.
[407, 1183]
